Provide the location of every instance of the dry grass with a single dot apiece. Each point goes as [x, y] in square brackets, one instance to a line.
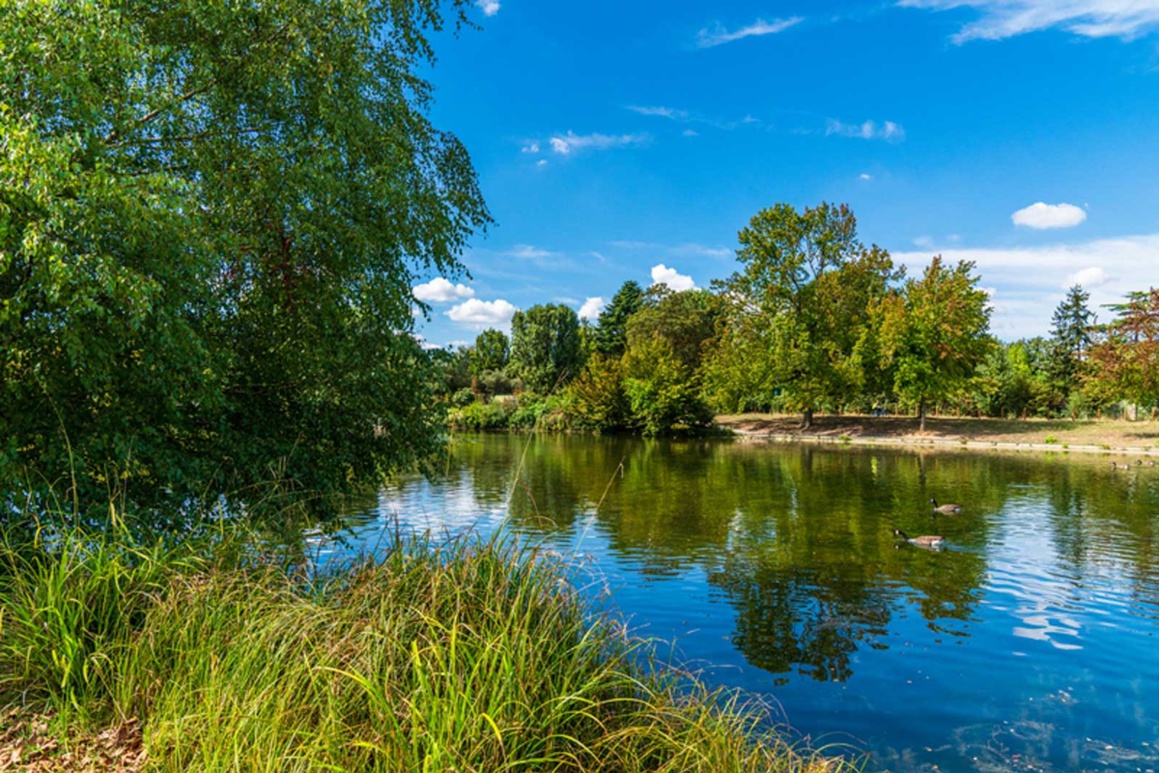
[1099, 434]
[28, 744]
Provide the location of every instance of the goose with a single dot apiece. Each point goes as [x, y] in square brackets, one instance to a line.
[1123, 466]
[925, 541]
[1148, 463]
[949, 509]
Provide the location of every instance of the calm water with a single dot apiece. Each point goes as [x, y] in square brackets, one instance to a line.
[1028, 643]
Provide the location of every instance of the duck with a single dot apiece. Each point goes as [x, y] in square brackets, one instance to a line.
[925, 541]
[949, 509]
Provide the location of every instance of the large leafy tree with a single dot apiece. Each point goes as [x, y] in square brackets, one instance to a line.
[807, 283]
[1124, 356]
[210, 216]
[686, 319]
[546, 352]
[492, 349]
[935, 333]
[610, 337]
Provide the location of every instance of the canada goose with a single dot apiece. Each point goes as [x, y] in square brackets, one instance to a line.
[925, 541]
[1148, 463]
[944, 508]
[1123, 466]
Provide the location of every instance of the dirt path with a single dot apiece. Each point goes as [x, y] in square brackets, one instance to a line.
[1103, 436]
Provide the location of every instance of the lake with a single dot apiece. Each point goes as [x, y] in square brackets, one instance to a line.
[1027, 643]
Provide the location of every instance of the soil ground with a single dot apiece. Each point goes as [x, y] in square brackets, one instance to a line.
[1100, 435]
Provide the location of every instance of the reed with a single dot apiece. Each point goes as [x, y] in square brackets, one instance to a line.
[462, 655]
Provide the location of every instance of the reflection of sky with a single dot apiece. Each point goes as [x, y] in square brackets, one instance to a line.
[1023, 559]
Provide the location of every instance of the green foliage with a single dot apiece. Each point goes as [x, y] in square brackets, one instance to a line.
[610, 337]
[480, 415]
[1123, 360]
[498, 382]
[598, 398]
[546, 352]
[662, 390]
[465, 656]
[210, 217]
[1071, 322]
[935, 333]
[808, 283]
[687, 319]
[462, 397]
[491, 352]
[738, 373]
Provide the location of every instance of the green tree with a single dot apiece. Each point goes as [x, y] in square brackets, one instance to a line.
[807, 283]
[934, 333]
[662, 390]
[687, 319]
[610, 337]
[546, 352]
[1071, 322]
[1123, 358]
[598, 397]
[1070, 338]
[492, 349]
[210, 218]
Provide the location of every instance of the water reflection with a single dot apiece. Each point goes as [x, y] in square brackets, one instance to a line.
[1029, 636]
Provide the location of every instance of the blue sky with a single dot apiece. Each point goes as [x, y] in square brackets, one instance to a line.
[633, 140]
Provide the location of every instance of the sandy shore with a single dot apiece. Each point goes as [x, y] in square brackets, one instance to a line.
[1089, 436]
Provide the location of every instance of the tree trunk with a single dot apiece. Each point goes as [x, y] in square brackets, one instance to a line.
[922, 414]
[807, 419]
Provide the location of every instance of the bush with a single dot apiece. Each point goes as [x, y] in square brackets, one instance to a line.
[462, 397]
[482, 416]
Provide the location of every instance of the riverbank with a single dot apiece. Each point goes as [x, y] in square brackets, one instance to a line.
[1139, 438]
[459, 655]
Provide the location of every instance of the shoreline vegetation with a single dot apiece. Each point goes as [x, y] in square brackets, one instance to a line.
[463, 654]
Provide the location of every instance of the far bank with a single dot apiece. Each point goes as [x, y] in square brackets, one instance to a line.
[1081, 436]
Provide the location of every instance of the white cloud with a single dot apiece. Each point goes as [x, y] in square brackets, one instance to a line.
[1042, 215]
[527, 252]
[439, 290]
[865, 176]
[925, 242]
[1029, 279]
[591, 308]
[477, 312]
[1001, 19]
[662, 112]
[1088, 278]
[531, 147]
[489, 7]
[690, 133]
[699, 250]
[869, 130]
[541, 162]
[570, 142]
[718, 35]
[662, 275]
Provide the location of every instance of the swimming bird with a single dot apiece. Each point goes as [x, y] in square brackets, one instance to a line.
[925, 541]
[949, 509]
[1148, 463]
[1123, 466]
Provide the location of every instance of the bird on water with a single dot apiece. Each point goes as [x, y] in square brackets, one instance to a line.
[924, 541]
[944, 508]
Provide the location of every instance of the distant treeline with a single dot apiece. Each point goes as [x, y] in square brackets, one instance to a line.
[813, 320]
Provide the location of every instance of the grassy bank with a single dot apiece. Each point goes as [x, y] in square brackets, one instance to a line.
[464, 656]
[1097, 434]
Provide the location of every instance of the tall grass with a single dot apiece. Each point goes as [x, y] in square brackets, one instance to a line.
[462, 656]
